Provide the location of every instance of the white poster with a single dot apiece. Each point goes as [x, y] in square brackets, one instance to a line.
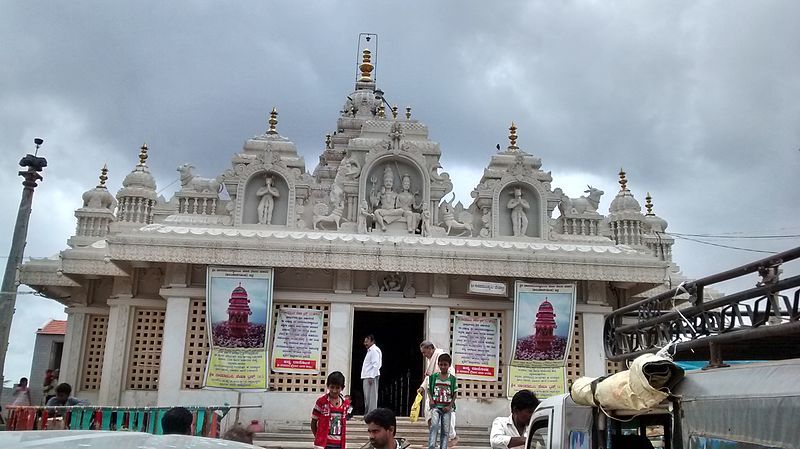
[476, 347]
[297, 347]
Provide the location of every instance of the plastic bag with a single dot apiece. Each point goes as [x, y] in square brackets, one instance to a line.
[415, 408]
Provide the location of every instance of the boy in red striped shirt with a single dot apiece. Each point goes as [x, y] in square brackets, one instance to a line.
[330, 414]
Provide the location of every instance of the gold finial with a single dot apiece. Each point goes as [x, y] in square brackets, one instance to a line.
[649, 204]
[366, 67]
[143, 154]
[273, 121]
[381, 111]
[512, 137]
[103, 176]
[408, 112]
[327, 141]
[394, 111]
[622, 181]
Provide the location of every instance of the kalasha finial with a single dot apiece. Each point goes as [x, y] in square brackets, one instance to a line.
[103, 176]
[381, 111]
[366, 66]
[143, 154]
[408, 112]
[328, 141]
[394, 111]
[512, 137]
[622, 181]
[273, 121]
[648, 204]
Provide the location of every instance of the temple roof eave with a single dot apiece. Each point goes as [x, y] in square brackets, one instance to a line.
[309, 249]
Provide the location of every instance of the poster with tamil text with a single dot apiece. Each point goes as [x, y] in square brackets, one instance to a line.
[238, 304]
[297, 346]
[476, 347]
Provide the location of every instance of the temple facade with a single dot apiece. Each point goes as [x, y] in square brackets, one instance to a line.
[372, 236]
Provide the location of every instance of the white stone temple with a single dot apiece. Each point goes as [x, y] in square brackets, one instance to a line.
[372, 237]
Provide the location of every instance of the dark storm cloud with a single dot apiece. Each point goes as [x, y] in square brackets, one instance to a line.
[696, 100]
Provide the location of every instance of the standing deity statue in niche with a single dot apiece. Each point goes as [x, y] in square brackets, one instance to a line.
[390, 206]
[268, 193]
[519, 213]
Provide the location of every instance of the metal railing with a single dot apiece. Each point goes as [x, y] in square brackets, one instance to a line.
[763, 311]
[206, 420]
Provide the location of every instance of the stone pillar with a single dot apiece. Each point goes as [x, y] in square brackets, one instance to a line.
[340, 336]
[439, 327]
[115, 358]
[72, 356]
[594, 358]
[170, 377]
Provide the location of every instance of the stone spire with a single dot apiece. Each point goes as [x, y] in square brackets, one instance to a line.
[657, 242]
[625, 216]
[138, 194]
[96, 214]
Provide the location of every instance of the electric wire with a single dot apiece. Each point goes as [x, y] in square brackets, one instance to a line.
[725, 246]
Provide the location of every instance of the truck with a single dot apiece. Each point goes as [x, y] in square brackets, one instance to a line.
[722, 406]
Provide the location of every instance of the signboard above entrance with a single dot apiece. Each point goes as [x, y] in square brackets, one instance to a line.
[487, 288]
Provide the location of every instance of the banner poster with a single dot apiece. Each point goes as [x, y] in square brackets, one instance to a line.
[544, 316]
[238, 305]
[297, 346]
[476, 347]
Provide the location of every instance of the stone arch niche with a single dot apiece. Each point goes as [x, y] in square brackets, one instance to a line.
[502, 217]
[248, 200]
[401, 166]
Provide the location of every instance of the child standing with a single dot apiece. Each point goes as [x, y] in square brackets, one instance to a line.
[442, 394]
[330, 414]
[22, 393]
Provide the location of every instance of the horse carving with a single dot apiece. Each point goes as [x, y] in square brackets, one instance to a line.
[193, 183]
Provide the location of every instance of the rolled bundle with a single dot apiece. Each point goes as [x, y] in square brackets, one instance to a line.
[648, 382]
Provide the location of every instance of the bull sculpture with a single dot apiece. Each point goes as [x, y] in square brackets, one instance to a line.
[582, 205]
[194, 183]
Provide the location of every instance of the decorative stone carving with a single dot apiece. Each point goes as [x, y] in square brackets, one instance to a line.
[266, 203]
[408, 290]
[321, 215]
[519, 211]
[373, 289]
[193, 183]
[365, 218]
[390, 206]
[582, 205]
[455, 220]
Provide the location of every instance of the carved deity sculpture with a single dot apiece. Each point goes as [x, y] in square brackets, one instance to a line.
[390, 206]
[363, 215]
[268, 193]
[519, 213]
[425, 228]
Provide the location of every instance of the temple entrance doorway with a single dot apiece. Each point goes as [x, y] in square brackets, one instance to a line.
[398, 335]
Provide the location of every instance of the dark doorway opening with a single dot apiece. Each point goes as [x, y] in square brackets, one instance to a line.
[398, 335]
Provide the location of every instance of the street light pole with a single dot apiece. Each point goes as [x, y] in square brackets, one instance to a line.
[8, 295]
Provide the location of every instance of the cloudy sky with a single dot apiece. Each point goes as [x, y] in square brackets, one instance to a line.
[697, 100]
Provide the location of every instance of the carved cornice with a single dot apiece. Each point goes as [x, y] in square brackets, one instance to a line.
[308, 249]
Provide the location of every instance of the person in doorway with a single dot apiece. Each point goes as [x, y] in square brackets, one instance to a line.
[330, 414]
[511, 431]
[49, 385]
[63, 398]
[177, 421]
[442, 401]
[370, 373]
[22, 393]
[382, 427]
[431, 354]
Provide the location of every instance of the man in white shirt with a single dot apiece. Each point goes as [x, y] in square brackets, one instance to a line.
[370, 373]
[511, 431]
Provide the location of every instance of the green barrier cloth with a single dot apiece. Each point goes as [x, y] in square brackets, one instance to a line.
[159, 415]
[120, 420]
[151, 421]
[106, 423]
[75, 419]
[86, 421]
[201, 414]
[139, 421]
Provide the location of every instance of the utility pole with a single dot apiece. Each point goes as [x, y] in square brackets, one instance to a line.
[8, 295]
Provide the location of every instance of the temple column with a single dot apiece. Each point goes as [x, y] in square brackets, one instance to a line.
[115, 357]
[72, 357]
[439, 327]
[170, 376]
[593, 316]
[340, 332]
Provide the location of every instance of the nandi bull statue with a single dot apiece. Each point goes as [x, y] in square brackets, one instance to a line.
[194, 183]
[455, 218]
[582, 205]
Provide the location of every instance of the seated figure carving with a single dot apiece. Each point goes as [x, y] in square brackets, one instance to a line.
[390, 206]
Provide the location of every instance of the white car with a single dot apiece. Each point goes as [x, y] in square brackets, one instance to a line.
[82, 439]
